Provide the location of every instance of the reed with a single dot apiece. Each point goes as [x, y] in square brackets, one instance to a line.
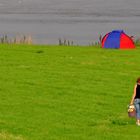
[137, 42]
[22, 39]
[65, 42]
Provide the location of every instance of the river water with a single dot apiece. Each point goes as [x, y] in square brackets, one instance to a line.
[80, 21]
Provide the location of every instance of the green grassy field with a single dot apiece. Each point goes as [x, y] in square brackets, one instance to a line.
[67, 93]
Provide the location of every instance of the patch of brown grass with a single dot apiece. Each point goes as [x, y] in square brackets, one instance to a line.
[7, 136]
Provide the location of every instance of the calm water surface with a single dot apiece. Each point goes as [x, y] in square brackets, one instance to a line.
[81, 21]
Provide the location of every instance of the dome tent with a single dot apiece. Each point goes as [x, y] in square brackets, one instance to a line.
[117, 39]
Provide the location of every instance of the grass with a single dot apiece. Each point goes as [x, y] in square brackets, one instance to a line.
[66, 93]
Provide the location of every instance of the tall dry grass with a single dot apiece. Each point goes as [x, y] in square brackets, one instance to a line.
[20, 39]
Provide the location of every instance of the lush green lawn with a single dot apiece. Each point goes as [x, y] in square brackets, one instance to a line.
[67, 93]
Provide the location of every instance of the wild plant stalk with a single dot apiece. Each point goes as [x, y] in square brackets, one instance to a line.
[97, 43]
[137, 42]
[65, 42]
[16, 40]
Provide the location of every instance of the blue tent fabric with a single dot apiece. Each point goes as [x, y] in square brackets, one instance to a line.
[113, 39]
